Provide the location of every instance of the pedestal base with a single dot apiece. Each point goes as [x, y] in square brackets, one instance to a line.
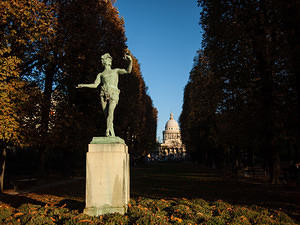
[107, 177]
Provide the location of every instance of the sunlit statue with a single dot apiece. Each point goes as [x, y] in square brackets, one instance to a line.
[109, 93]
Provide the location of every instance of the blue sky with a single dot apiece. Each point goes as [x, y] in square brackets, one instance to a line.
[164, 35]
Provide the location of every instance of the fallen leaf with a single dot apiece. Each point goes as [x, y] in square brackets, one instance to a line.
[18, 214]
[85, 221]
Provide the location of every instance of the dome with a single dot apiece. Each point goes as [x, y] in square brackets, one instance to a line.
[171, 125]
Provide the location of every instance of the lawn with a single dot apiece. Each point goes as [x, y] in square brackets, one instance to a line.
[162, 193]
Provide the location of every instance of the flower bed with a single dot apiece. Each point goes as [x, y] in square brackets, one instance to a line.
[146, 211]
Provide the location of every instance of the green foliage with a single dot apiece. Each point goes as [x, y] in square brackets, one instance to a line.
[149, 211]
[6, 212]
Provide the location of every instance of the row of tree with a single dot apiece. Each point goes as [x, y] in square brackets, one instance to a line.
[243, 94]
[46, 49]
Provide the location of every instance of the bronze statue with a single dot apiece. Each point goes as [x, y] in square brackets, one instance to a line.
[109, 93]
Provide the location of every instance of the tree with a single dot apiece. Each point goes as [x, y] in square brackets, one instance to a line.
[198, 117]
[94, 28]
[47, 49]
[23, 24]
[249, 53]
[135, 112]
[9, 97]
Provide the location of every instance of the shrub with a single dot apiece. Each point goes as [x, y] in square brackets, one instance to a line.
[5, 212]
[148, 211]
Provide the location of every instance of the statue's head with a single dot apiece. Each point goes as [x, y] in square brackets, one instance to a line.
[106, 59]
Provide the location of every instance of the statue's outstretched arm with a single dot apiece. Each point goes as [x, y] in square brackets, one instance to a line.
[93, 85]
[129, 69]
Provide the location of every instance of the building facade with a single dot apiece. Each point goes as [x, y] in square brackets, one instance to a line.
[172, 147]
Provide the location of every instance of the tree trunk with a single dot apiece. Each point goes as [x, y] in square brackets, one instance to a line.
[267, 100]
[2, 172]
[46, 107]
[291, 18]
[263, 51]
[276, 168]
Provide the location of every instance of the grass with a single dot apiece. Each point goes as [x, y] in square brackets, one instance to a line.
[163, 193]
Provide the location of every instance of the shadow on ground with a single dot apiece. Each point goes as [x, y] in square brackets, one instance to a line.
[185, 180]
[17, 200]
[72, 204]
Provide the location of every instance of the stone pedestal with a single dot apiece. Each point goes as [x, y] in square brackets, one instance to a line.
[107, 176]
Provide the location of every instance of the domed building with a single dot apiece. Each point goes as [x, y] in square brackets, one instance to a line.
[172, 146]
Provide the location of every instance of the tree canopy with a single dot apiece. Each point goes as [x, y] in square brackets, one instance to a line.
[46, 49]
[242, 95]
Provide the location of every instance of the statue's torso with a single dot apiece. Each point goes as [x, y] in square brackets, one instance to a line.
[110, 78]
[109, 88]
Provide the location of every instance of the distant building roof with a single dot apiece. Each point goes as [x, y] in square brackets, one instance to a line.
[171, 125]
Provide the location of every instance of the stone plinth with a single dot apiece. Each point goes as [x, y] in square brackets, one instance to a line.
[107, 176]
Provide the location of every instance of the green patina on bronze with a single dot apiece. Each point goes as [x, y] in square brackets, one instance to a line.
[109, 93]
[107, 140]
